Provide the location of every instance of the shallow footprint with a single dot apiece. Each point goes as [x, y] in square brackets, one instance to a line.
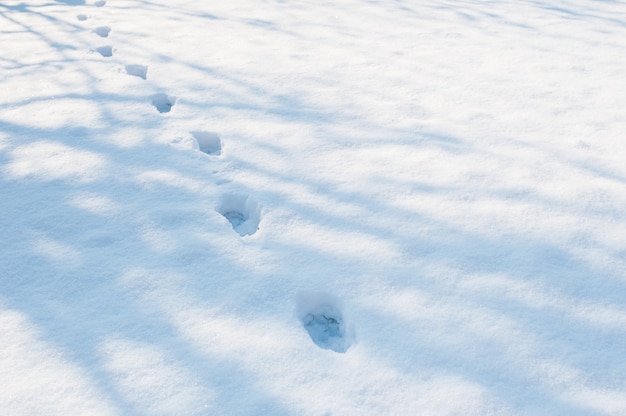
[102, 31]
[140, 71]
[163, 103]
[82, 17]
[100, 3]
[106, 51]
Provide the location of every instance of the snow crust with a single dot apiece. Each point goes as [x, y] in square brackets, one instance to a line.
[310, 208]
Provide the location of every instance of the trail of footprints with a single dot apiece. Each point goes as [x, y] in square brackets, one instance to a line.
[319, 313]
[102, 31]
[242, 211]
[162, 102]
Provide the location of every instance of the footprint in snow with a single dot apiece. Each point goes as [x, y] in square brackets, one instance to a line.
[162, 102]
[140, 71]
[106, 51]
[243, 213]
[102, 31]
[208, 142]
[100, 3]
[321, 316]
[82, 17]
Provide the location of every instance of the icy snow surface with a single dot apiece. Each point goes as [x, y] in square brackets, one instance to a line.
[312, 207]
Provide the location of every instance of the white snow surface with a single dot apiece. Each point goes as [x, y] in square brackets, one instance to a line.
[320, 207]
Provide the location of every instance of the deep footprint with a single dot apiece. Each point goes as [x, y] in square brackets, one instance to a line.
[163, 103]
[140, 71]
[243, 213]
[321, 316]
[235, 218]
[208, 142]
[106, 51]
[102, 31]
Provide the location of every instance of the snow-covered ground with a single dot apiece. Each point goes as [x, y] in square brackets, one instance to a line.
[312, 207]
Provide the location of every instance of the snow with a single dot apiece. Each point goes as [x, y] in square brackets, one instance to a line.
[312, 208]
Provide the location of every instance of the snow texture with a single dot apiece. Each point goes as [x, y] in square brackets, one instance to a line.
[349, 207]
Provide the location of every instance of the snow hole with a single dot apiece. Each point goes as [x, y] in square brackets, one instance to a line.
[82, 17]
[106, 51]
[321, 316]
[162, 102]
[208, 142]
[243, 213]
[140, 71]
[102, 31]
[100, 3]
